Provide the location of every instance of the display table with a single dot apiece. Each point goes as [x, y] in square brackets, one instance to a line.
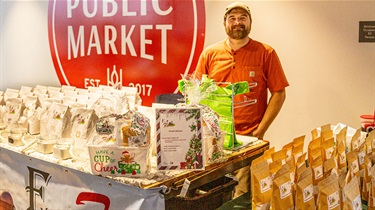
[35, 183]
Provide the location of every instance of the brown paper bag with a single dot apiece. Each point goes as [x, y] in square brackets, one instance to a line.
[279, 155]
[341, 156]
[352, 195]
[304, 198]
[268, 154]
[328, 149]
[282, 190]
[299, 141]
[261, 186]
[297, 151]
[329, 193]
[330, 167]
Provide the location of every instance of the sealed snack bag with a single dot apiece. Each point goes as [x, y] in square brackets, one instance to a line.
[371, 196]
[314, 133]
[366, 183]
[329, 193]
[313, 144]
[301, 161]
[341, 156]
[261, 186]
[212, 134]
[13, 111]
[352, 195]
[297, 151]
[133, 129]
[342, 183]
[356, 140]
[282, 190]
[289, 148]
[268, 154]
[327, 135]
[299, 140]
[83, 123]
[304, 198]
[330, 167]
[57, 119]
[31, 105]
[328, 148]
[280, 155]
[317, 169]
[274, 167]
[353, 164]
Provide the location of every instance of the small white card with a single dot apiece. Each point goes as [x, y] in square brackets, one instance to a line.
[179, 143]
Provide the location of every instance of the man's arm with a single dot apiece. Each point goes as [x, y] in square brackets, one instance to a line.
[273, 108]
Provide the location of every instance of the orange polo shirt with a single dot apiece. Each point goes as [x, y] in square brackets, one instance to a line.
[256, 63]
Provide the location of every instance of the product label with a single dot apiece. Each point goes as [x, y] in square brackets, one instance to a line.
[318, 172]
[308, 193]
[285, 189]
[342, 158]
[329, 152]
[265, 184]
[354, 166]
[361, 157]
[333, 200]
[357, 203]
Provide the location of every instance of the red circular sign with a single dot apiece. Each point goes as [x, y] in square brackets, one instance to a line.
[146, 44]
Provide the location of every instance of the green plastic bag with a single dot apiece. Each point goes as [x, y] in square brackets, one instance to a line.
[221, 101]
[219, 97]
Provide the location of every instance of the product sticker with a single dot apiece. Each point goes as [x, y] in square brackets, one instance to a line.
[333, 200]
[265, 184]
[342, 158]
[329, 152]
[357, 203]
[308, 193]
[354, 166]
[285, 189]
[318, 172]
[361, 157]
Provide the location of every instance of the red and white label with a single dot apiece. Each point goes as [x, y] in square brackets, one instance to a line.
[147, 44]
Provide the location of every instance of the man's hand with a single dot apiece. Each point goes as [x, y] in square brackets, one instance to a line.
[274, 106]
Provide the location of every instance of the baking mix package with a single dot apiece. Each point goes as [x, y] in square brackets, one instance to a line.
[282, 189]
[261, 185]
[329, 193]
[304, 196]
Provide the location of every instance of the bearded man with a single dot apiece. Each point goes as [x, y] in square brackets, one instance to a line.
[239, 58]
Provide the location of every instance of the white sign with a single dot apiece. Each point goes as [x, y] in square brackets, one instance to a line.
[37, 184]
[179, 139]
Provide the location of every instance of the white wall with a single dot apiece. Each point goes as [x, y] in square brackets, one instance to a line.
[331, 74]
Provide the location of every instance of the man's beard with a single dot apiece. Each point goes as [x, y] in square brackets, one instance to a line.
[238, 34]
